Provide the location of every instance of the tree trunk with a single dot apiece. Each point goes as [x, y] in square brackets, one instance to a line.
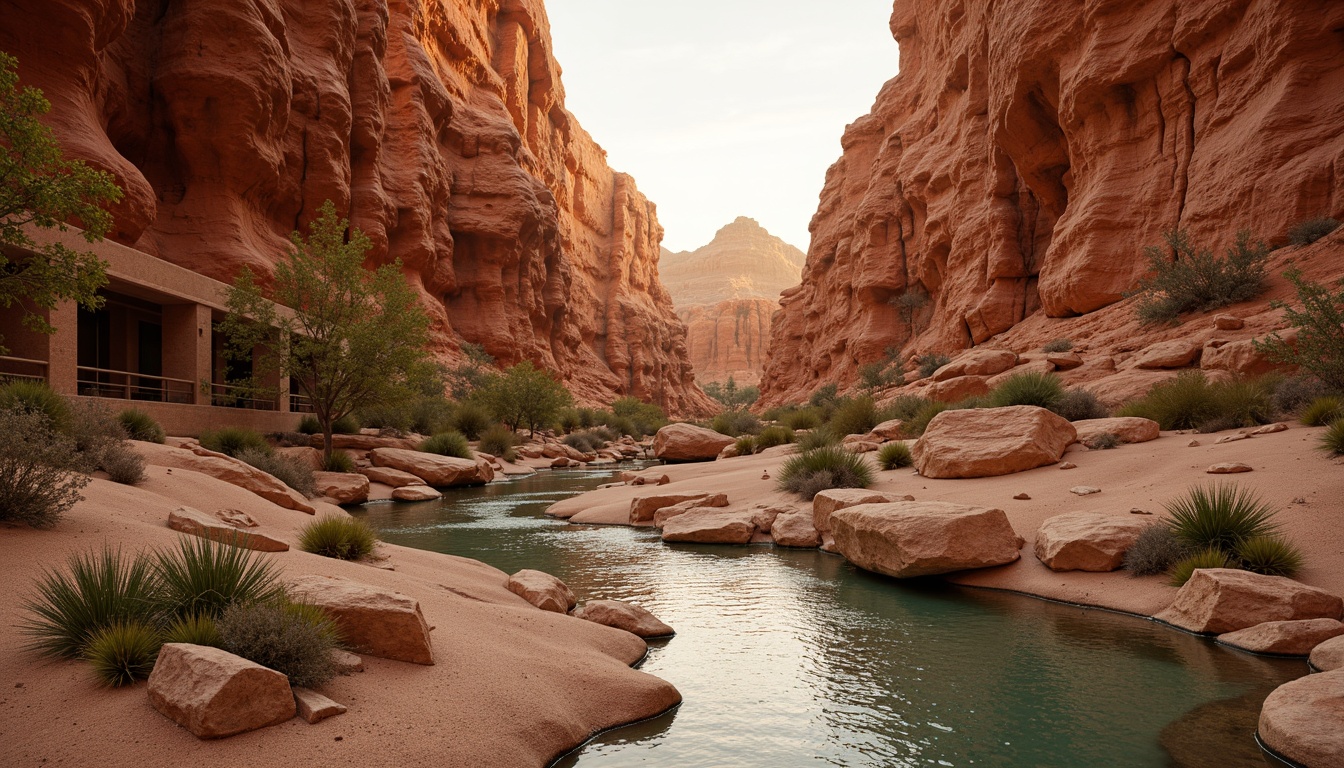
[326, 445]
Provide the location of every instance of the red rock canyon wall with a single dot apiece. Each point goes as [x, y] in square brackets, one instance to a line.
[1028, 151]
[438, 125]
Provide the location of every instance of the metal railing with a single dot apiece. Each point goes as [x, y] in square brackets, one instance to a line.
[300, 404]
[21, 368]
[230, 396]
[127, 385]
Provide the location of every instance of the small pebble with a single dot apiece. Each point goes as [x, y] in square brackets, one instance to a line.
[1193, 444]
[1137, 511]
[1084, 490]
[1022, 497]
[1068, 465]
[1229, 468]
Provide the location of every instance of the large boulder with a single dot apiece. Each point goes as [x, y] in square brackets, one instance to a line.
[664, 514]
[1167, 354]
[977, 362]
[1284, 638]
[438, 471]
[342, 487]
[1329, 655]
[1130, 429]
[197, 523]
[958, 389]
[389, 476]
[687, 442]
[825, 503]
[1241, 357]
[643, 508]
[227, 469]
[794, 528]
[372, 620]
[214, 694]
[1219, 600]
[887, 430]
[1087, 541]
[1301, 720]
[922, 538]
[542, 590]
[419, 492]
[711, 525]
[622, 615]
[986, 442]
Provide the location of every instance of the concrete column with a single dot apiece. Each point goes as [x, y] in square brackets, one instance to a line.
[63, 348]
[187, 346]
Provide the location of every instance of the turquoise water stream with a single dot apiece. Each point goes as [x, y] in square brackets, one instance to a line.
[796, 658]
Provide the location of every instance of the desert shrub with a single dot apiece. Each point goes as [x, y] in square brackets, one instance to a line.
[450, 443]
[621, 425]
[1195, 280]
[472, 418]
[499, 441]
[1189, 401]
[1220, 515]
[817, 438]
[431, 414]
[1078, 405]
[40, 477]
[1027, 388]
[735, 423]
[903, 407]
[773, 436]
[824, 395]
[1323, 411]
[804, 418]
[1311, 230]
[1270, 555]
[309, 425]
[346, 425]
[338, 461]
[646, 418]
[194, 629]
[745, 445]
[1319, 349]
[587, 418]
[568, 419]
[881, 374]
[386, 416]
[234, 440]
[821, 468]
[123, 465]
[141, 426]
[1058, 345]
[290, 470]
[1155, 551]
[1294, 393]
[1104, 441]
[339, 537]
[894, 456]
[1209, 557]
[589, 440]
[95, 431]
[203, 577]
[272, 635]
[96, 591]
[1248, 401]
[123, 652]
[916, 424]
[930, 362]
[856, 416]
[36, 396]
[1332, 441]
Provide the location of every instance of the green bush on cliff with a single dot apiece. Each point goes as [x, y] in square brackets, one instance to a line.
[1182, 278]
[930, 362]
[811, 472]
[1319, 347]
[1311, 230]
[1078, 405]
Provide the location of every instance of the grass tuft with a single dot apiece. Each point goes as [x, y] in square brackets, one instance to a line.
[819, 469]
[1028, 388]
[234, 440]
[1323, 411]
[335, 536]
[95, 591]
[141, 426]
[894, 456]
[1220, 515]
[1270, 555]
[203, 577]
[773, 436]
[451, 443]
[194, 629]
[1332, 442]
[123, 652]
[1155, 551]
[1209, 557]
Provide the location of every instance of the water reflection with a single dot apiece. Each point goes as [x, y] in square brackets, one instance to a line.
[795, 658]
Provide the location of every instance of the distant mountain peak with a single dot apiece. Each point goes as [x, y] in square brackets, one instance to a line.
[742, 261]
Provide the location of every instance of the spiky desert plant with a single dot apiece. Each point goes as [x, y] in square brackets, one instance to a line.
[235, 440]
[745, 445]
[916, 424]
[816, 470]
[817, 438]
[1220, 515]
[141, 426]
[1209, 557]
[193, 628]
[451, 443]
[1332, 441]
[123, 652]
[803, 418]
[339, 537]
[853, 417]
[338, 461]
[96, 591]
[1323, 411]
[1270, 555]
[1028, 388]
[38, 397]
[894, 456]
[499, 441]
[203, 577]
[773, 436]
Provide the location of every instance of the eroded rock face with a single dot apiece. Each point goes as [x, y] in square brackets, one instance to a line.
[435, 470]
[1300, 719]
[923, 538]
[994, 178]
[1087, 541]
[623, 615]
[440, 129]
[1220, 600]
[542, 590]
[228, 469]
[372, 620]
[827, 502]
[687, 442]
[795, 528]
[197, 523]
[342, 487]
[1130, 429]
[987, 442]
[214, 694]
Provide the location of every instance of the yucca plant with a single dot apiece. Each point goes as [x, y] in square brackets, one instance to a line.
[1029, 388]
[203, 577]
[817, 438]
[1220, 515]
[773, 436]
[123, 652]
[1270, 555]
[1323, 411]
[894, 456]
[193, 628]
[819, 469]
[450, 443]
[1209, 557]
[1332, 441]
[96, 591]
[745, 445]
[342, 538]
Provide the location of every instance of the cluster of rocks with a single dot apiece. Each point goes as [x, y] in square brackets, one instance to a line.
[215, 694]
[548, 593]
[545, 451]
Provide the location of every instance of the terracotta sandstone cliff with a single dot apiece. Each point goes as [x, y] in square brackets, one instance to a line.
[439, 126]
[1028, 151]
[726, 293]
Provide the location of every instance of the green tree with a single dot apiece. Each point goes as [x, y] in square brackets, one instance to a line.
[524, 395]
[1319, 348]
[40, 188]
[355, 338]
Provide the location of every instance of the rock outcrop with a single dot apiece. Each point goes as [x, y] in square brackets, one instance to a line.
[1222, 600]
[726, 292]
[1284, 638]
[372, 620]
[439, 128]
[542, 590]
[1300, 720]
[438, 471]
[1087, 541]
[987, 442]
[214, 694]
[995, 179]
[924, 538]
[623, 615]
[687, 442]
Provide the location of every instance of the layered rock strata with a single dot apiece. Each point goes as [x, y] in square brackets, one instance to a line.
[726, 293]
[1027, 151]
[439, 128]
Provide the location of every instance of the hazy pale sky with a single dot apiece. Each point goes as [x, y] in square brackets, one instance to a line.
[723, 108]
